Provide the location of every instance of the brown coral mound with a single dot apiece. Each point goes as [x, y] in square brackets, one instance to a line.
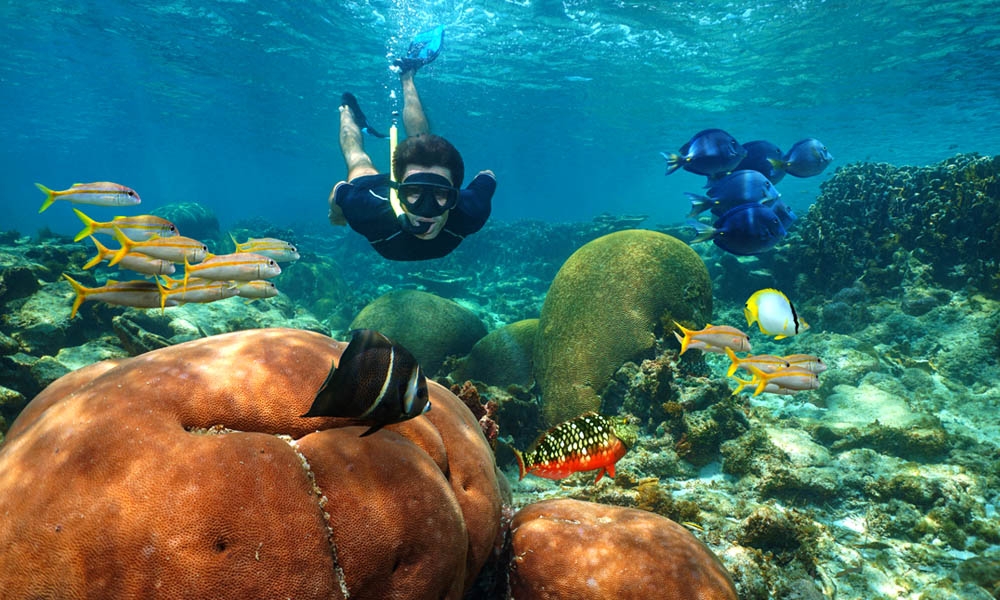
[186, 472]
[571, 549]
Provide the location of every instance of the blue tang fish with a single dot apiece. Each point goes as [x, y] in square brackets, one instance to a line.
[732, 190]
[760, 153]
[709, 152]
[784, 213]
[743, 230]
[807, 158]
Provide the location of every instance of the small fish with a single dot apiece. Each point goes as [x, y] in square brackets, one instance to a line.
[718, 336]
[760, 153]
[790, 380]
[590, 441]
[739, 187]
[768, 363]
[139, 228]
[197, 290]
[785, 214]
[279, 250]
[256, 289]
[133, 261]
[743, 230]
[376, 381]
[708, 152]
[806, 361]
[100, 193]
[774, 314]
[239, 266]
[806, 158]
[698, 345]
[770, 388]
[175, 248]
[139, 294]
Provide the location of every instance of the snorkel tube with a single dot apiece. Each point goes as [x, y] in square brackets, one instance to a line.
[404, 220]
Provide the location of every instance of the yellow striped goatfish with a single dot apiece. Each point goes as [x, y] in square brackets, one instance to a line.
[718, 336]
[176, 248]
[239, 266]
[133, 261]
[768, 363]
[140, 294]
[782, 381]
[279, 250]
[197, 290]
[256, 289]
[138, 228]
[100, 193]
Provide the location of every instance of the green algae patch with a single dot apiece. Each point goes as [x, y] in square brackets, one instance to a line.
[606, 305]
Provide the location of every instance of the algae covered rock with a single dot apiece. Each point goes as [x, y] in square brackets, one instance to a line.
[606, 306]
[192, 219]
[430, 327]
[503, 357]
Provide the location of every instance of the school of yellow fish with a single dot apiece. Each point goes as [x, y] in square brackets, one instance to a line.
[152, 246]
[775, 316]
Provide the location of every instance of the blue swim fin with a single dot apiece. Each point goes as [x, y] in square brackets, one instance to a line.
[424, 48]
[351, 102]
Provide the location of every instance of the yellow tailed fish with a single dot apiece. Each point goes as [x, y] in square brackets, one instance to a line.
[806, 361]
[765, 362]
[792, 378]
[774, 314]
[240, 266]
[133, 261]
[99, 193]
[279, 250]
[140, 294]
[718, 336]
[256, 289]
[197, 290]
[137, 228]
[176, 248]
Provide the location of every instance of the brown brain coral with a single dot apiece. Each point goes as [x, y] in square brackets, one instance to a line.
[604, 308]
[569, 549]
[186, 472]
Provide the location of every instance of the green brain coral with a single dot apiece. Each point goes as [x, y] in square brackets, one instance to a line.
[430, 327]
[606, 306]
[503, 357]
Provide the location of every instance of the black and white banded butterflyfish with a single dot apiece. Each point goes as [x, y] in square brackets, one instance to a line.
[377, 382]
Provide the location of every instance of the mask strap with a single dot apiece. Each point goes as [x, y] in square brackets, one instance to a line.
[393, 194]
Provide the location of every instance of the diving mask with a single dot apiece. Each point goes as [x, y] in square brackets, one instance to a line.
[427, 194]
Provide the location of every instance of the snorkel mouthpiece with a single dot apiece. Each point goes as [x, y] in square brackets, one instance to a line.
[427, 194]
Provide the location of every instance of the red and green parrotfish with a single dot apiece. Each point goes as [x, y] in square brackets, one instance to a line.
[806, 361]
[590, 441]
[774, 314]
[133, 261]
[197, 290]
[239, 266]
[256, 289]
[176, 248]
[719, 336]
[791, 379]
[279, 250]
[100, 193]
[140, 294]
[765, 362]
[138, 228]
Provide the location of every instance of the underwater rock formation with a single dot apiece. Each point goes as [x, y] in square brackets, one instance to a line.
[430, 327]
[192, 219]
[503, 357]
[569, 549]
[190, 466]
[937, 225]
[608, 303]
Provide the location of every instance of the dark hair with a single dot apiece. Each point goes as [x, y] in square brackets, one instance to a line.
[429, 150]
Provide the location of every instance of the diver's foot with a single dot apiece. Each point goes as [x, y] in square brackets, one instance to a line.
[407, 64]
[351, 103]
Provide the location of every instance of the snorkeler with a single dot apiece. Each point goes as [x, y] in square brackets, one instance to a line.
[419, 211]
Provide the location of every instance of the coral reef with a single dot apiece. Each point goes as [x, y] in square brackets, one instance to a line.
[190, 465]
[581, 550]
[193, 220]
[503, 357]
[430, 327]
[605, 307]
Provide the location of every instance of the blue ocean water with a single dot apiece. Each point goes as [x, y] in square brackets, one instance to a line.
[234, 104]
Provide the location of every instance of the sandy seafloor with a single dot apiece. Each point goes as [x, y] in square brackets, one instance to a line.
[883, 483]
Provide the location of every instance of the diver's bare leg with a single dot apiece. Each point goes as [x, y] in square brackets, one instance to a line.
[414, 119]
[357, 160]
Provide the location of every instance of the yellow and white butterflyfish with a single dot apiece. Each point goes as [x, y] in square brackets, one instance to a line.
[774, 314]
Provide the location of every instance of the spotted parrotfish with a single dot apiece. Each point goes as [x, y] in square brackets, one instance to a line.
[590, 441]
